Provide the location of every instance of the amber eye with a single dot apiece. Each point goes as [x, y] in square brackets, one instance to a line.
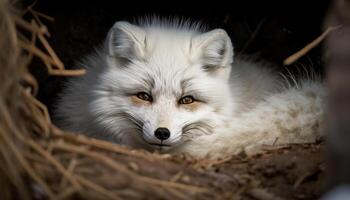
[144, 96]
[186, 100]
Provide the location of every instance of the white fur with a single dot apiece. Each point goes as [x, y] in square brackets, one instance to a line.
[290, 117]
[242, 105]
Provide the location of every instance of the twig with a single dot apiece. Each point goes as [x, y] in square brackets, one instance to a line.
[51, 52]
[178, 194]
[45, 121]
[177, 176]
[36, 51]
[71, 166]
[65, 72]
[262, 194]
[40, 14]
[48, 47]
[291, 59]
[275, 141]
[256, 31]
[29, 7]
[66, 193]
[24, 24]
[34, 12]
[27, 77]
[301, 179]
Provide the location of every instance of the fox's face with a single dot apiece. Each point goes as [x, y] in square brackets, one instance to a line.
[164, 86]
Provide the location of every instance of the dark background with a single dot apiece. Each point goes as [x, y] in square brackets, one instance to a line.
[285, 27]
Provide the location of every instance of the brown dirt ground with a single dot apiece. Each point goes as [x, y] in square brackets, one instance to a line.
[293, 172]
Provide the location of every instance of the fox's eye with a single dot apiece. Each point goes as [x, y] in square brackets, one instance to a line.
[186, 100]
[144, 96]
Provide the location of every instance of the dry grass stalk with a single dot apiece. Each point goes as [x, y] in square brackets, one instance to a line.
[262, 194]
[291, 59]
[38, 30]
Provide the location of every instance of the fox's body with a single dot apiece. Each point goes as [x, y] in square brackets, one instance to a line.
[172, 87]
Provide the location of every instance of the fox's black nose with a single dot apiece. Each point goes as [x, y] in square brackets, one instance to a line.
[162, 133]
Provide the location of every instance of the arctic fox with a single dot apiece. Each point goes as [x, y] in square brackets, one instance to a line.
[171, 86]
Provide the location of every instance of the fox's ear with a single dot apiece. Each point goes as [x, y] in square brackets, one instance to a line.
[126, 41]
[214, 49]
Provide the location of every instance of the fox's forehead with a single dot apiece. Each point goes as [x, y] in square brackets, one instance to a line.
[168, 47]
[159, 35]
[171, 77]
[168, 60]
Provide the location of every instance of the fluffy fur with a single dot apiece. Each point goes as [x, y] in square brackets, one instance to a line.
[238, 105]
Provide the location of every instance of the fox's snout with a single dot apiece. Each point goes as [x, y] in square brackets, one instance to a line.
[162, 133]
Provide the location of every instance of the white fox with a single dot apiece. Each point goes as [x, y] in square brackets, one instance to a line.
[173, 87]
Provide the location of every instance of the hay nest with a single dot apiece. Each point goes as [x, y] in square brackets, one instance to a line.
[39, 161]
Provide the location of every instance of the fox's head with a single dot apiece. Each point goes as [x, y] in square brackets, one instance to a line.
[164, 83]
